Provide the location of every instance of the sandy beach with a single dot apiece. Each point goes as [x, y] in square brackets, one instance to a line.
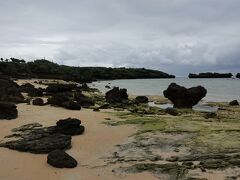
[89, 149]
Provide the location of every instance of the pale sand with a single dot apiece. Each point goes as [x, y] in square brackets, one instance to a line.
[98, 141]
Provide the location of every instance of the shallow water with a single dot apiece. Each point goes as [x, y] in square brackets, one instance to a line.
[199, 107]
[218, 89]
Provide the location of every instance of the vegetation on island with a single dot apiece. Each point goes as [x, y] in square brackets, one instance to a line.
[210, 75]
[49, 70]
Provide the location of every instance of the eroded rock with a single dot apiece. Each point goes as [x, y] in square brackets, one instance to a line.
[116, 95]
[60, 159]
[182, 97]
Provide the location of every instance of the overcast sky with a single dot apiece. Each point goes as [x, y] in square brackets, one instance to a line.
[176, 36]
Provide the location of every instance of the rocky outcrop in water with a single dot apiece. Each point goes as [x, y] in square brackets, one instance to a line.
[238, 75]
[182, 97]
[116, 95]
[210, 75]
[34, 138]
[9, 91]
[61, 159]
[8, 110]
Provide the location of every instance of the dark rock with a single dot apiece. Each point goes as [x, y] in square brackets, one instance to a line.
[210, 115]
[83, 100]
[36, 92]
[141, 99]
[8, 110]
[40, 142]
[60, 88]
[107, 87]
[58, 99]
[234, 103]
[38, 102]
[238, 75]
[70, 126]
[182, 97]
[116, 95]
[61, 159]
[9, 91]
[71, 105]
[171, 111]
[27, 87]
[34, 138]
[31, 90]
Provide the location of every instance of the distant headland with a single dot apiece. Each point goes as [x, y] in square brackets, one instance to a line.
[42, 68]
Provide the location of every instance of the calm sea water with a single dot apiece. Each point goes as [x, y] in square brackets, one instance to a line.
[218, 89]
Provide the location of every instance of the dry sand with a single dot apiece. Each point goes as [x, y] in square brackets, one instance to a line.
[89, 149]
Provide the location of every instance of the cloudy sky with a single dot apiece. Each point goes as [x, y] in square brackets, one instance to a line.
[176, 36]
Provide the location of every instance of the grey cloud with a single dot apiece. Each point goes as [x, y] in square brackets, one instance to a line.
[178, 36]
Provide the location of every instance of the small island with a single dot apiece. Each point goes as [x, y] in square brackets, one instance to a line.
[238, 75]
[210, 75]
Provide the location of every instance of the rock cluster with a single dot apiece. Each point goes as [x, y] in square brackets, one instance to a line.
[182, 97]
[116, 95]
[31, 90]
[9, 91]
[37, 139]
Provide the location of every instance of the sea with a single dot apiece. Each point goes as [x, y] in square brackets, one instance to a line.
[218, 90]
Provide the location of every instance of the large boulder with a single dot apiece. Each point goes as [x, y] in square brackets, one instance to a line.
[27, 87]
[182, 97]
[141, 99]
[116, 95]
[31, 90]
[70, 126]
[60, 159]
[9, 91]
[8, 110]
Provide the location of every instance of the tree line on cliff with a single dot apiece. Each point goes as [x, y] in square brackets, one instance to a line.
[42, 68]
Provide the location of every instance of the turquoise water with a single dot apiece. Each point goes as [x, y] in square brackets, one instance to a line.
[218, 89]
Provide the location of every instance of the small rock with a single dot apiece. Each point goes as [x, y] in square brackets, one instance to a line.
[38, 102]
[171, 111]
[61, 159]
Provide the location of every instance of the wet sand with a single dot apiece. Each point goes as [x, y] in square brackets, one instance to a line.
[89, 149]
